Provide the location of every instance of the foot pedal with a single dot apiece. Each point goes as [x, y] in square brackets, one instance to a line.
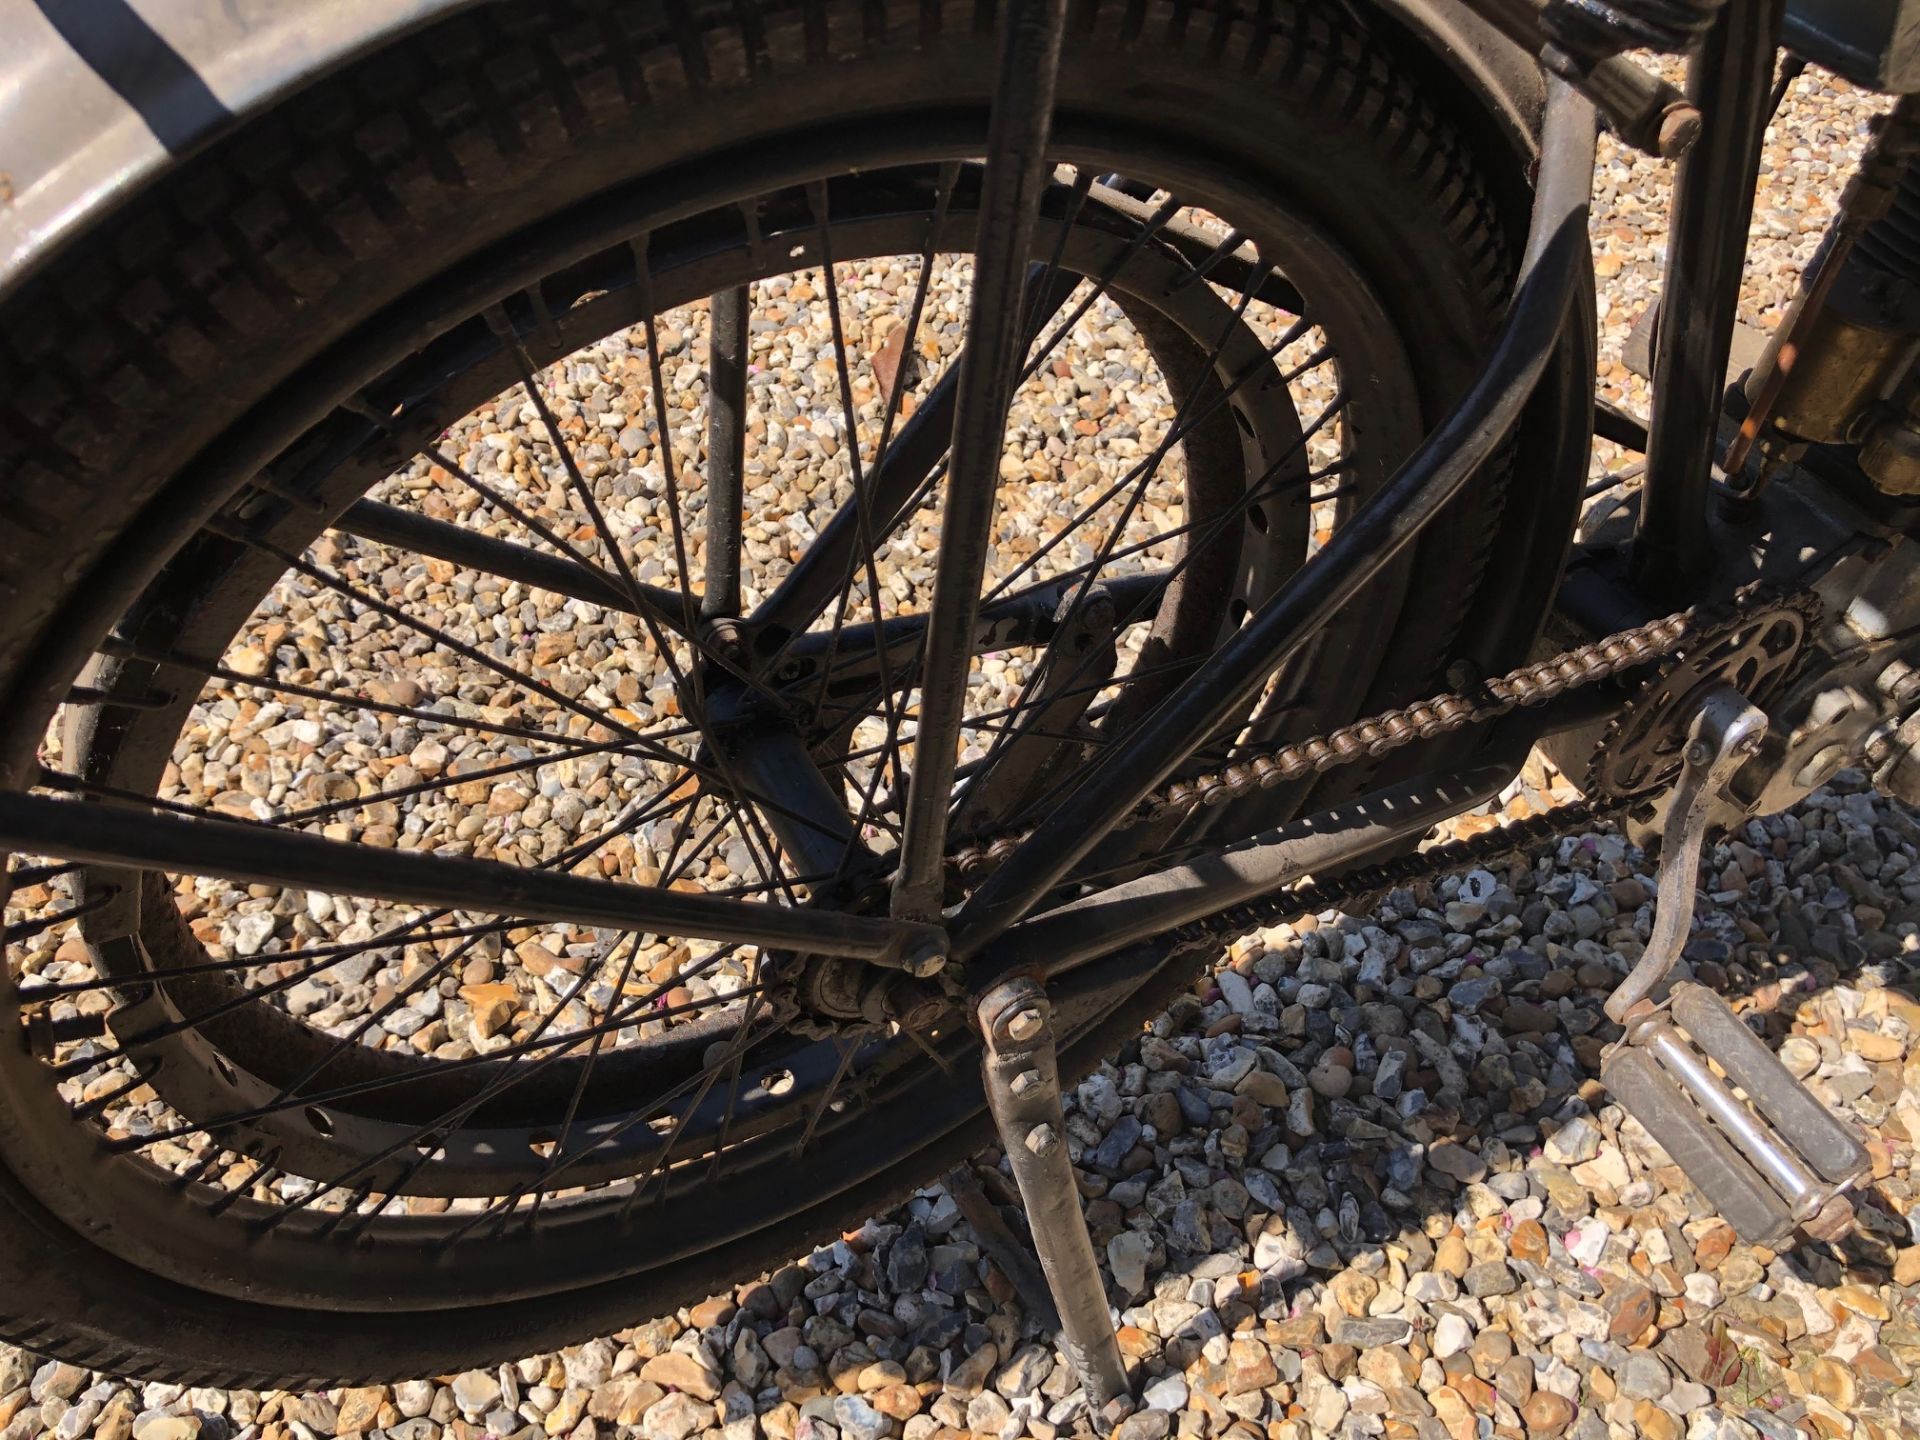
[1755, 1141]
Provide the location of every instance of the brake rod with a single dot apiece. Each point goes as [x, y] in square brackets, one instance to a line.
[115, 835]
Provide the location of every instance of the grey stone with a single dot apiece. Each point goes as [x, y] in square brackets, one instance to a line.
[1366, 1334]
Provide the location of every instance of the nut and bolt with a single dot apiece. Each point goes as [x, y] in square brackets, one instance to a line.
[1679, 128]
[1820, 767]
[927, 957]
[1025, 1023]
[727, 639]
[1026, 1082]
[1041, 1139]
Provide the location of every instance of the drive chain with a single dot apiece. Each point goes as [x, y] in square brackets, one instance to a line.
[1531, 684]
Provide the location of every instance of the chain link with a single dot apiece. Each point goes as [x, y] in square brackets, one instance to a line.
[1531, 684]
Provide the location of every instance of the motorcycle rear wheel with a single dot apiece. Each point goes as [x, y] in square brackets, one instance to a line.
[210, 332]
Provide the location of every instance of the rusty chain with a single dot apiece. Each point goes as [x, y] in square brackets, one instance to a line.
[1442, 715]
[1531, 684]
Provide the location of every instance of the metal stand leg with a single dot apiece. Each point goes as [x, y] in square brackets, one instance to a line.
[1023, 1090]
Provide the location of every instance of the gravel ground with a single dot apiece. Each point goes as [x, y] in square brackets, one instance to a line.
[1361, 1182]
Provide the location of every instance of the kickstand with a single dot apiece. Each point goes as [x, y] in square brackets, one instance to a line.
[1022, 1076]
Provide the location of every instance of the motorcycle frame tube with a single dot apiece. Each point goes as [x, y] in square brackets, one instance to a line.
[1730, 81]
[1086, 929]
[1550, 273]
[1012, 184]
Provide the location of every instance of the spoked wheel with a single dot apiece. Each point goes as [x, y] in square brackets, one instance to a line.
[599, 545]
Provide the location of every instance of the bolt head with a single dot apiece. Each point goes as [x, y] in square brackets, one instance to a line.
[1679, 128]
[1698, 753]
[1024, 1024]
[929, 957]
[1026, 1082]
[1041, 1139]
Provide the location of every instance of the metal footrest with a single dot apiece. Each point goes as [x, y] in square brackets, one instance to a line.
[1755, 1141]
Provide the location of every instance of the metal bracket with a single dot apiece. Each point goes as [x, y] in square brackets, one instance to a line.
[1022, 1074]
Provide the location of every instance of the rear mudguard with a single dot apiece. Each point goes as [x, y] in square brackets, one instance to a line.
[98, 97]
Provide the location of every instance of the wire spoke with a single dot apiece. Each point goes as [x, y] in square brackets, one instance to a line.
[359, 596]
[641, 603]
[846, 1047]
[510, 1074]
[863, 518]
[118, 648]
[728, 313]
[406, 933]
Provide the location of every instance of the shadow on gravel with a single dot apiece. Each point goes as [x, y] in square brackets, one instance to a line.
[1375, 1138]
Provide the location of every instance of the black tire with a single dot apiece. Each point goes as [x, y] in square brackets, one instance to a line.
[135, 359]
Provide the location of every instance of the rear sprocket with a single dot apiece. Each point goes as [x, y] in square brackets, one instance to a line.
[1754, 642]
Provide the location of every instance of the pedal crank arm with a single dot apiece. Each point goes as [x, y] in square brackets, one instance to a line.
[1757, 1142]
[1725, 733]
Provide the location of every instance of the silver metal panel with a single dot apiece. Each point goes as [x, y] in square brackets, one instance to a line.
[96, 95]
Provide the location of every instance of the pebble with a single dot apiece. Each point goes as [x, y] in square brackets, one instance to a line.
[1452, 1335]
[677, 1370]
[1547, 1414]
[1127, 1256]
[474, 1391]
[675, 1417]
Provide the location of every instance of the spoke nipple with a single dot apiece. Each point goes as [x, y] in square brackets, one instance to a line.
[1041, 1139]
[1024, 1024]
[1026, 1082]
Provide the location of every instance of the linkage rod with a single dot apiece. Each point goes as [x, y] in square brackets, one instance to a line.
[1014, 180]
[1730, 80]
[115, 835]
[726, 451]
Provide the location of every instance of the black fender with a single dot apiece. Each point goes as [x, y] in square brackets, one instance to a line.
[98, 98]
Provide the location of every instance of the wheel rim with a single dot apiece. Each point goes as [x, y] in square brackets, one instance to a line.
[196, 1257]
